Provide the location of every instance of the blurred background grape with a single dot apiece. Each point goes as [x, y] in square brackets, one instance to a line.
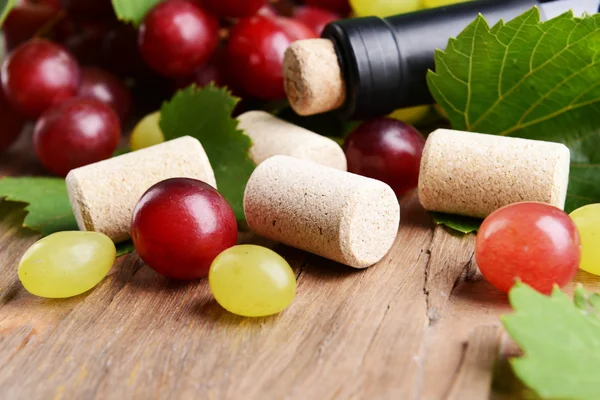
[53, 51]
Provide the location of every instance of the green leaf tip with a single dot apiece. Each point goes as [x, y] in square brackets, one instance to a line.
[560, 341]
[206, 114]
[531, 79]
[132, 11]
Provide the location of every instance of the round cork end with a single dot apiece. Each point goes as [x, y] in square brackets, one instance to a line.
[369, 225]
[313, 77]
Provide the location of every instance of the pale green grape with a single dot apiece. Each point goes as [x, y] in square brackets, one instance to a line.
[587, 220]
[66, 264]
[440, 3]
[252, 281]
[410, 115]
[147, 132]
[384, 8]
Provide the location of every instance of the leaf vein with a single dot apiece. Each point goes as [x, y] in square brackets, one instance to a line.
[525, 77]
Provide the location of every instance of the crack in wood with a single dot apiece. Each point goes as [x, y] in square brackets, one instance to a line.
[451, 256]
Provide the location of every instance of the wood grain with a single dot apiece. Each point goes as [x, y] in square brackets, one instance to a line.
[421, 324]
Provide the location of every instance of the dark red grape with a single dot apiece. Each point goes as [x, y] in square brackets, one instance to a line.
[315, 18]
[75, 133]
[55, 4]
[87, 43]
[296, 29]
[177, 37]
[107, 88]
[341, 7]
[534, 242]
[213, 71]
[26, 20]
[255, 53]
[179, 227]
[37, 75]
[89, 10]
[387, 150]
[11, 124]
[121, 43]
[268, 10]
[234, 8]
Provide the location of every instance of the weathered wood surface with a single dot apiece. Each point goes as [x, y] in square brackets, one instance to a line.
[422, 324]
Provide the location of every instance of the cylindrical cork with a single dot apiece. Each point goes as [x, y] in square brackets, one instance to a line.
[335, 214]
[313, 77]
[272, 136]
[474, 174]
[103, 195]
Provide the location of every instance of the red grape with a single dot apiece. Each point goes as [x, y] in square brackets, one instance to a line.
[180, 226]
[255, 53]
[341, 7]
[55, 4]
[534, 242]
[212, 71]
[26, 20]
[107, 88]
[75, 133]
[177, 37]
[234, 8]
[387, 150]
[121, 43]
[315, 18]
[88, 10]
[296, 29]
[11, 124]
[37, 75]
[87, 43]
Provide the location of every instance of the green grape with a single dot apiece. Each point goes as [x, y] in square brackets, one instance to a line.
[384, 8]
[252, 281]
[410, 115]
[587, 220]
[440, 3]
[66, 264]
[147, 132]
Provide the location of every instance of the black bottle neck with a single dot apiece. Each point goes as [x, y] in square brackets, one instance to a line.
[385, 60]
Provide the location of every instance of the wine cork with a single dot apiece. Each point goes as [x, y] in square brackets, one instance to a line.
[474, 174]
[313, 77]
[104, 194]
[335, 214]
[272, 136]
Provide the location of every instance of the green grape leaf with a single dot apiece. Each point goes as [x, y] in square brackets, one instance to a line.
[132, 11]
[530, 79]
[560, 340]
[206, 115]
[48, 207]
[457, 222]
[124, 248]
[5, 6]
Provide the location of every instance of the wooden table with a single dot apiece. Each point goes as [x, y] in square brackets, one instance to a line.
[422, 324]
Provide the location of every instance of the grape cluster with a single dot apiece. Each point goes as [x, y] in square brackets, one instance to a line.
[80, 74]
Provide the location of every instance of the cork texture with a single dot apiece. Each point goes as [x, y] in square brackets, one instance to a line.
[272, 136]
[313, 77]
[474, 174]
[103, 195]
[340, 216]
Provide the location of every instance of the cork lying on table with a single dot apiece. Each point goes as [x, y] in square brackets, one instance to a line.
[272, 136]
[474, 174]
[313, 78]
[103, 195]
[340, 216]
